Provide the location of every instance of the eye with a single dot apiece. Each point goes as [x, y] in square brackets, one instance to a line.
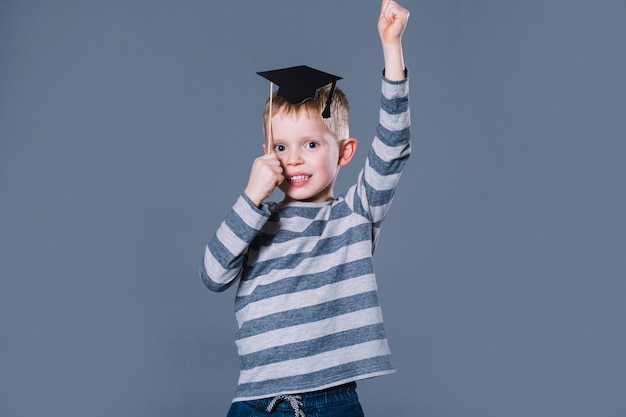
[279, 148]
[312, 145]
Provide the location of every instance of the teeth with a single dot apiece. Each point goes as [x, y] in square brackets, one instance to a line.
[297, 178]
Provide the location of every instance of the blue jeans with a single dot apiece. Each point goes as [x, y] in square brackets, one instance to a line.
[341, 401]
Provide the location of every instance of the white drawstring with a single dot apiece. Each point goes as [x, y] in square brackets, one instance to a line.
[294, 401]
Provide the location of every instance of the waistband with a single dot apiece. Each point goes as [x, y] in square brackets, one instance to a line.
[309, 400]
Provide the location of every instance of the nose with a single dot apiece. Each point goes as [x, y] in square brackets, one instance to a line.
[292, 157]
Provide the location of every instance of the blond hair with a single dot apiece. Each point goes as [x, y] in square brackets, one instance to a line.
[337, 123]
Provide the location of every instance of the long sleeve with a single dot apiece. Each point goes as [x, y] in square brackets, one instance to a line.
[390, 150]
[225, 253]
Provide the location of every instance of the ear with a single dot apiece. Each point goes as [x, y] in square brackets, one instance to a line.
[346, 151]
[264, 149]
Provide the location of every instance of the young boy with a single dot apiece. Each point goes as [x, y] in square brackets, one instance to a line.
[309, 319]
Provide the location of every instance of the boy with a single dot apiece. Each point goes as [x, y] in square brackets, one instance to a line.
[309, 320]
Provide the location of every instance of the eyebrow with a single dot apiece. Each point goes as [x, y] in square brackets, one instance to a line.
[302, 138]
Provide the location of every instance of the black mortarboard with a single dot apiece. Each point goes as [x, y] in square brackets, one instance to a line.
[297, 84]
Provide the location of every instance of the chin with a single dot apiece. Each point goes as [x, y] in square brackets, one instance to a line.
[302, 197]
[300, 194]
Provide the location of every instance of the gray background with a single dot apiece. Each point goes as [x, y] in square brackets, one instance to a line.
[127, 129]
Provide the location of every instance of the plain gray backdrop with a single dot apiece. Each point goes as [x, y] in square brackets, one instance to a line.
[127, 131]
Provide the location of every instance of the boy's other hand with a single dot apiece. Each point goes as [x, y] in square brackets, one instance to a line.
[265, 175]
[392, 22]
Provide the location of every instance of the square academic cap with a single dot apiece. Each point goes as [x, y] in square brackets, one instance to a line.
[297, 84]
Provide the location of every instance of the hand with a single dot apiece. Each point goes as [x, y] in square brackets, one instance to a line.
[392, 22]
[265, 175]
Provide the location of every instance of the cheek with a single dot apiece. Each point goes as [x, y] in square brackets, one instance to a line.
[333, 157]
[329, 162]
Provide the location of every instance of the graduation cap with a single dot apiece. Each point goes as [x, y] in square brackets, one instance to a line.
[296, 85]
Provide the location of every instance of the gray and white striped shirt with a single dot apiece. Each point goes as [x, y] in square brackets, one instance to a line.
[307, 305]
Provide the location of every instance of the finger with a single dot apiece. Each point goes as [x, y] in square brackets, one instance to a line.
[391, 10]
[273, 163]
[384, 7]
[280, 179]
[272, 160]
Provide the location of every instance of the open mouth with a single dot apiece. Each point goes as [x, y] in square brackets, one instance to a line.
[298, 179]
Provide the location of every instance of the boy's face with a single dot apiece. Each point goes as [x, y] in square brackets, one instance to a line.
[310, 156]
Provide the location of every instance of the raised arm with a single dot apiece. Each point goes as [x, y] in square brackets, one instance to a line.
[391, 24]
[373, 193]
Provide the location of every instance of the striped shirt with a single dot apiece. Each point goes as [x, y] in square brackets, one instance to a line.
[307, 307]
